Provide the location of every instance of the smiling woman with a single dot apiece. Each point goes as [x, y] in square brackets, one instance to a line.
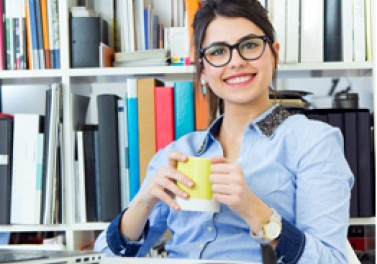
[280, 178]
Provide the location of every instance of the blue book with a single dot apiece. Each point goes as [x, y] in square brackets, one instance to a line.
[146, 28]
[183, 108]
[34, 34]
[133, 137]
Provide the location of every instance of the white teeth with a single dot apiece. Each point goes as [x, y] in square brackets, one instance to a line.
[238, 79]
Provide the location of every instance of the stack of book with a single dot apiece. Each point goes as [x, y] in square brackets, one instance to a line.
[151, 57]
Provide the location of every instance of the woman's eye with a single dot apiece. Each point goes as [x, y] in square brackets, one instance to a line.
[216, 51]
[250, 44]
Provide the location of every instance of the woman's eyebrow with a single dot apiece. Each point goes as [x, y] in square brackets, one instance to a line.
[240, 39]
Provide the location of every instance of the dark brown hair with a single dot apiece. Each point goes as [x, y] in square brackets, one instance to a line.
[249, 9]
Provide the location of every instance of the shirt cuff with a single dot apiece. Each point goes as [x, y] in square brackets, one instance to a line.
[291, 243]
[118, 243]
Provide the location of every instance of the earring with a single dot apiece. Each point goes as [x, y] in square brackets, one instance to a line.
[204, 86]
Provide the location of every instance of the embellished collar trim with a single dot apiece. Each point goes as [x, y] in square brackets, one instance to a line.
[267, 123]
[272, 121]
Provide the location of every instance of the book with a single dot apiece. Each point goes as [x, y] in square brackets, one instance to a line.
[85, 41]
[350, 151]
[292, 41]
[6, 151]
[124, 177]
[90, 167]
[108, 195]
[80, 192]
[2, 39]
[53, 119]
[139, 25]
[38, 21]
[368, 30]
[24, 191]
[191, 7]
[332, 41]
[278, 18]
[365, 169]
[106, 55]
[34, 35]
[53, 32]
[311, 31]
[45, 33]
[183, 108]
[141, 55]
[146, 122]
[164, 115]
[133, 136]
[347, 30]
[201, 106]
[359, 47]
[179, 46]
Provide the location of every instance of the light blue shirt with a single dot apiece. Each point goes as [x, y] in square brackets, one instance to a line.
[295, 165]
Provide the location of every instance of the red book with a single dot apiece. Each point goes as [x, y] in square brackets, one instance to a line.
[164, 115]
[2, 39]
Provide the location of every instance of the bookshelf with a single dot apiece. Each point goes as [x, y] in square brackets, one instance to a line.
[78, 234]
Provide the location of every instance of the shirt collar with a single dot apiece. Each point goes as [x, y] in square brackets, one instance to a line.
[266, 124]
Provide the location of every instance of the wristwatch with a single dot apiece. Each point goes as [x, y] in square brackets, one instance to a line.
[271, 229]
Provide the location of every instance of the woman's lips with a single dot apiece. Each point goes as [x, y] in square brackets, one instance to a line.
[241, 79]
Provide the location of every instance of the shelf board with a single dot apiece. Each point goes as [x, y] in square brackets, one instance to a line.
[363, 221]
[59, 227]
[324, 66]
[29, 74]
[172, 70]
[122, 71]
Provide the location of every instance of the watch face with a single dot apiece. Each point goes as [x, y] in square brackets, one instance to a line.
[272, 230]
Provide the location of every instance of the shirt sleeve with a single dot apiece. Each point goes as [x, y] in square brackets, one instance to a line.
[323, 189]
[113, 243]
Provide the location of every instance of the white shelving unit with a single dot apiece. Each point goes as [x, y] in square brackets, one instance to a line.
[78, 235]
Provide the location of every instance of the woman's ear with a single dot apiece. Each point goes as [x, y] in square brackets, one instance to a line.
[276, 47]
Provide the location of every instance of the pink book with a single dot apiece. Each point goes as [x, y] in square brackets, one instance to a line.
[164, 115]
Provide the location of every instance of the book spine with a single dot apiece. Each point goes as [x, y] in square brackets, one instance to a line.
[201, 108]
[332, 41]
[53, 32]
[123, 153]
[108, 157]
[6, 145]
[292, 40]
[24, 169]
[45, 31]
[365, 165]
[2, 37]
[146, 122]
[183, 108]
[347, 30]
[133, 136]
[359, 30]
[164, 115]
[38, 19]
[34, 34]
[311, 31]
[350, 144]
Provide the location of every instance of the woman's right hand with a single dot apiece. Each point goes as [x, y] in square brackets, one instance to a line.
[163, 185]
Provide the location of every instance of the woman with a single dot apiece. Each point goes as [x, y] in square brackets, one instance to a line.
[281, 179]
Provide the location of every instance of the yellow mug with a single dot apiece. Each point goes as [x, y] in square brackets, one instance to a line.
[200, 195]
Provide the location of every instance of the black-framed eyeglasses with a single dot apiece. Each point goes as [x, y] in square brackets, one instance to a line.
[220, 53]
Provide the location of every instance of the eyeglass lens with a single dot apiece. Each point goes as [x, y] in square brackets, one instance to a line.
[249, 49]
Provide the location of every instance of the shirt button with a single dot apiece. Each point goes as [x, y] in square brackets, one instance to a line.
[251, 127]
[209, 228]
[201, 245]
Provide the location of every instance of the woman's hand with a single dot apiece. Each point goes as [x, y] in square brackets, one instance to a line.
[163, 185]
[229, 187]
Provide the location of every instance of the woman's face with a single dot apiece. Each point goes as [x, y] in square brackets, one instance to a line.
[240, 81]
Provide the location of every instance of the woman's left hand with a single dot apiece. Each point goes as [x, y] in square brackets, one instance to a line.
[229, 185]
